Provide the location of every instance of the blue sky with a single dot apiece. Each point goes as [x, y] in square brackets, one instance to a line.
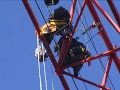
[18, 65]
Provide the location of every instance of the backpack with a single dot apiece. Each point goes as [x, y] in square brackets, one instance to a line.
[76, 51]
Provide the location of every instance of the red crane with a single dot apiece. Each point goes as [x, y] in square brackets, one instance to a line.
[111, 50]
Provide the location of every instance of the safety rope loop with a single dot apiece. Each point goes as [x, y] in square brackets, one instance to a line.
[52, 77]
[40, 54]
[44, 65]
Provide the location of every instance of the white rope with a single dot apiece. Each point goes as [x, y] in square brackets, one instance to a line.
[43, 49]
[52, 77]
[39, 64]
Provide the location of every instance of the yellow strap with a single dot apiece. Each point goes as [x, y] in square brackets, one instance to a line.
[58, 22]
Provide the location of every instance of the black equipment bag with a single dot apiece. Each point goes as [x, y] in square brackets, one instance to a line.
[51, 2]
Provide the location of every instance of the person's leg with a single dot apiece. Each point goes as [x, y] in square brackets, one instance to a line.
[49, 37]
[76, 69]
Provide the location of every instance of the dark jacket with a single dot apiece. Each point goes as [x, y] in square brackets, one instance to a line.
[75, 51]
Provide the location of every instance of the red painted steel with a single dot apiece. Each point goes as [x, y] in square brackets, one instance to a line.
[104, 36]
[106, 16]
[106, 73]
[103, 33]
[84, 80]
[59, 72]
[114, 10]
[72, 9]
[111, 51]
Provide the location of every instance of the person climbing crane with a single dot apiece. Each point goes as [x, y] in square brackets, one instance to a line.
[58, 24]
[76, 52]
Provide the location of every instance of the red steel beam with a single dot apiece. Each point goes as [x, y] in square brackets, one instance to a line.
[67, 43]
[93, 58]
[103, 33]
[114, 11]
[106, 72]
[106, 15]
[84, 80]
[53, 60]
[72, 9]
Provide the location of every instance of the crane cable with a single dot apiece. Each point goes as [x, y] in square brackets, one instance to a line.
[97, 53]
[85, 39]
[91, 39]
[79, 6]
[40, 81]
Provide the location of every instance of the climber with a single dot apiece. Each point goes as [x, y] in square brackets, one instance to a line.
[58, 24]
[76, 52]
